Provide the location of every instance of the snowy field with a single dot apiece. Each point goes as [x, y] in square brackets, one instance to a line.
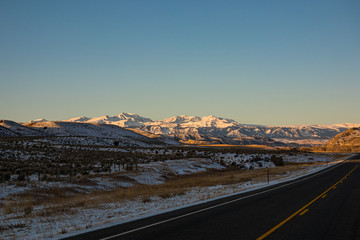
[18, 225]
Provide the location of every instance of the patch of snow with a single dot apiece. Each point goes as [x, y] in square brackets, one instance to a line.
[154, 172]
[308, 158]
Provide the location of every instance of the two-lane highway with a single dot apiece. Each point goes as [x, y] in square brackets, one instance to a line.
[325, 205]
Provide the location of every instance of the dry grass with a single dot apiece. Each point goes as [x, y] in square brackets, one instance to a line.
[56, 202]
[25, 206]
[11, 226]
[235, 146]
[180, 184]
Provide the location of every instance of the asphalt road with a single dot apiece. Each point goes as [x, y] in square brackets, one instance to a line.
[325, 205]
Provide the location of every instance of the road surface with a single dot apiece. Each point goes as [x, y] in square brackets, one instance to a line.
[325, 205]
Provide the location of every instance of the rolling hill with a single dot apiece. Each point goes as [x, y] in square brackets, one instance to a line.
[348, 141]
[58, 132]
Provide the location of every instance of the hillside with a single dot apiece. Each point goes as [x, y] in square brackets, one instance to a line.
[105, 134]
[7, 132]
[77, 133]
[348, 141]
[10, 128]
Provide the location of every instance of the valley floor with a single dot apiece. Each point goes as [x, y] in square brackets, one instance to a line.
[153, 187]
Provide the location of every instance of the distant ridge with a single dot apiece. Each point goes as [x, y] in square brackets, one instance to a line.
[218, 130]
[183, 129]
[40, 120]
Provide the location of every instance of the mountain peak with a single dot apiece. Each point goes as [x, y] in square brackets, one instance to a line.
[181, 119]
[194, 121]
[215, 118]
[127, 115]
[122, 120]
[219, 122]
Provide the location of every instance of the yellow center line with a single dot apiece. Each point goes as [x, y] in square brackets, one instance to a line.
[324, 196]
[303, 212]
[303, 208]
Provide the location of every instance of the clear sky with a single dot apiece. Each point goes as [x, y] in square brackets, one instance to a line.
[257, 62]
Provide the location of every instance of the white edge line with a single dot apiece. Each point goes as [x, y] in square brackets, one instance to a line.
[222, 204]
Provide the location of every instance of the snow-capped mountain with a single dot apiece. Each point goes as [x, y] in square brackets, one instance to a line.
[212, 129]
[298, 134]
[196, 122]
[122, 120]
[186, 129]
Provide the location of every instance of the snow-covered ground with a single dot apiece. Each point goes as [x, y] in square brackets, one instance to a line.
[148, 173]
[309, 157]
[35, 226]
[156, 172]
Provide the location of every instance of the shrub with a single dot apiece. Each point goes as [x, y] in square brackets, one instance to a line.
[146, 199]
[277, 160]
[5, 176]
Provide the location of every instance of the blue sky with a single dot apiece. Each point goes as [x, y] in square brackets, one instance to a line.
[257, 62]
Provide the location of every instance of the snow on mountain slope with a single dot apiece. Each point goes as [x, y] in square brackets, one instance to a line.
[66, 129]
[221, 130]
[187, 129]
[205, 130]
[212, 129]
[181, 119]
[317, 133]
[122, 120]
[11, 128]
[7, 132]
[196, 122]
[163, 138]
[134, 120]
[78, 119]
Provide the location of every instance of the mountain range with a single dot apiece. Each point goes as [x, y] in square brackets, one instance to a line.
[132, 129]
[218, 130]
